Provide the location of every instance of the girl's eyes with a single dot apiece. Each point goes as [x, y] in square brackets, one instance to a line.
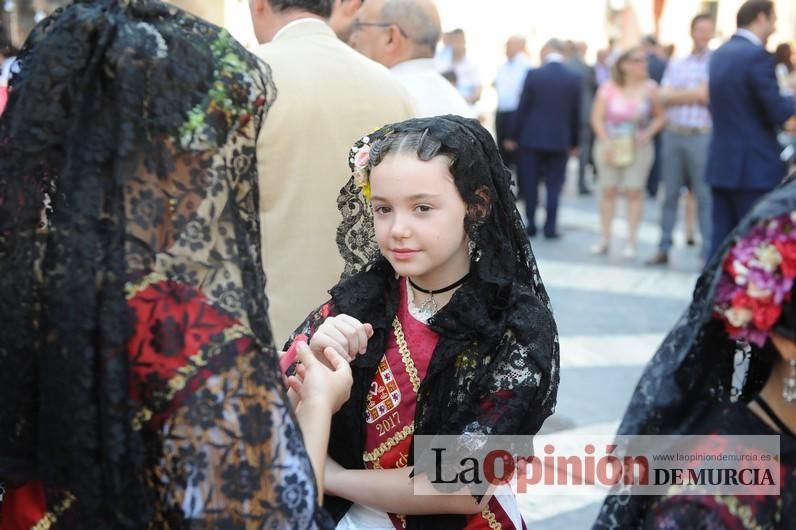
[383, 210]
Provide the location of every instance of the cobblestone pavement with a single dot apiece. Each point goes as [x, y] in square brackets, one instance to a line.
[612, 313]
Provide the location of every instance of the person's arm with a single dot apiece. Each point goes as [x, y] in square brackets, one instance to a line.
[393, 491]
[671, 96]
[776, 108]
[322, 391]
[658, 121]
[598, 116]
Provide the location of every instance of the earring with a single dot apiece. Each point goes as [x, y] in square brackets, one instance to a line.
[473, 251]
[789, 384]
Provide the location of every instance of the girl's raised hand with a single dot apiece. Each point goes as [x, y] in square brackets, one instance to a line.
[320, 384]
[344, 334]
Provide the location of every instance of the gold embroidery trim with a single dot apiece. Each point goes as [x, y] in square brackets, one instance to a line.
[406, 357]
[49, 518]
[185, 373]
[739, 510]
[487, 514]
[133, 288]
[388, 444]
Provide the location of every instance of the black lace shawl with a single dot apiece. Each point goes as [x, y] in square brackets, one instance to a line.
[495, 368]
[137, 124]
[697, 368]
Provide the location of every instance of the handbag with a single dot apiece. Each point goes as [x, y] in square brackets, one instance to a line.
[622, 140]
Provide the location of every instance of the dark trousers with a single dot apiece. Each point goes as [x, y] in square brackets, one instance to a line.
[585, 154]
[654, 178]
[729, 207]
[503, 121]
[532, 167]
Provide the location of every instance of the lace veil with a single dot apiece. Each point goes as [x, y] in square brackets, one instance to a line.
[697, 367]
[136, 124]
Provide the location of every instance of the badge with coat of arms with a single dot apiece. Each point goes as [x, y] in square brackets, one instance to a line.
[384, 394]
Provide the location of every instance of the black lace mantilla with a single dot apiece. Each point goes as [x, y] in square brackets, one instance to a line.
[495, 368]
[137, 123]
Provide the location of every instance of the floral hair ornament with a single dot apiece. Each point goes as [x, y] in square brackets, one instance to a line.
[359, 161]
[757, 278]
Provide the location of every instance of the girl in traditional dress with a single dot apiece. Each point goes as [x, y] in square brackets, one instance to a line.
[444, 314]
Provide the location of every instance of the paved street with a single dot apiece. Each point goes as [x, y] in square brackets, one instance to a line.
[611, 314]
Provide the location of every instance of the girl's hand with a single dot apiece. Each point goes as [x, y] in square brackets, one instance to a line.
[318, 385]
[344, 334]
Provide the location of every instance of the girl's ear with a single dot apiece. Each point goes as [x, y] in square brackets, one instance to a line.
[482, 206]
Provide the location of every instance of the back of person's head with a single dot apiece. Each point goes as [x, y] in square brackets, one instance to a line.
[131, 117]
[419, 20]
[649, 41]
[751, 9]
[554, 45]
[322, 8]
[784, 55]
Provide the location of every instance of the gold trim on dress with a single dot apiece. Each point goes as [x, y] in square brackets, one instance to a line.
[194, 364]
[49, 518]
[388, 444]
[406, 356]
[487, 514]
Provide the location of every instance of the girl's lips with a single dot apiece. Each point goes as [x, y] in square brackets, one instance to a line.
[403, 253]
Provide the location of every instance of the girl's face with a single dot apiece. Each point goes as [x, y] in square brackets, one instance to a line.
[419, 219]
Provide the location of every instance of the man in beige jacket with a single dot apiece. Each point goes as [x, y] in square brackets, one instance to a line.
[327, 97]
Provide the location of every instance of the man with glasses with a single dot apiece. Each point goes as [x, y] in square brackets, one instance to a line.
[402, 35]
[327, 97]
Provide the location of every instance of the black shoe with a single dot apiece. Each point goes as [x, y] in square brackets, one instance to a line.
[530, 231]
[584, 192]
[660, 258]
[553, 235]
[690, 241]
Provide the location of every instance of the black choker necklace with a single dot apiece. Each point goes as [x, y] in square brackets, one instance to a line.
[430, 307]
[432, 292]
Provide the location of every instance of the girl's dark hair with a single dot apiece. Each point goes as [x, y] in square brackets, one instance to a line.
[425, 146]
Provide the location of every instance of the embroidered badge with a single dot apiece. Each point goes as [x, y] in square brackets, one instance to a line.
[384, 395]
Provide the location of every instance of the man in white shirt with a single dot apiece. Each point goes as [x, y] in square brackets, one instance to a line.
[327, 97]
[468, 76]
[402, 35]
[508, 85]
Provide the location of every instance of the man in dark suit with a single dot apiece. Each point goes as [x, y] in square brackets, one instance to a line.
[545, 133]
[747, 108]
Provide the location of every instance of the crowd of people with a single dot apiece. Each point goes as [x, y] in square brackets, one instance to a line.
[235, 284]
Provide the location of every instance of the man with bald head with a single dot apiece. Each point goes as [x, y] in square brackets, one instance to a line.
[545, 132]
[508, 85]
[402, 35]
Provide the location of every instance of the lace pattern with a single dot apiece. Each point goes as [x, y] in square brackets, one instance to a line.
[696, 369]
[139, 372]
